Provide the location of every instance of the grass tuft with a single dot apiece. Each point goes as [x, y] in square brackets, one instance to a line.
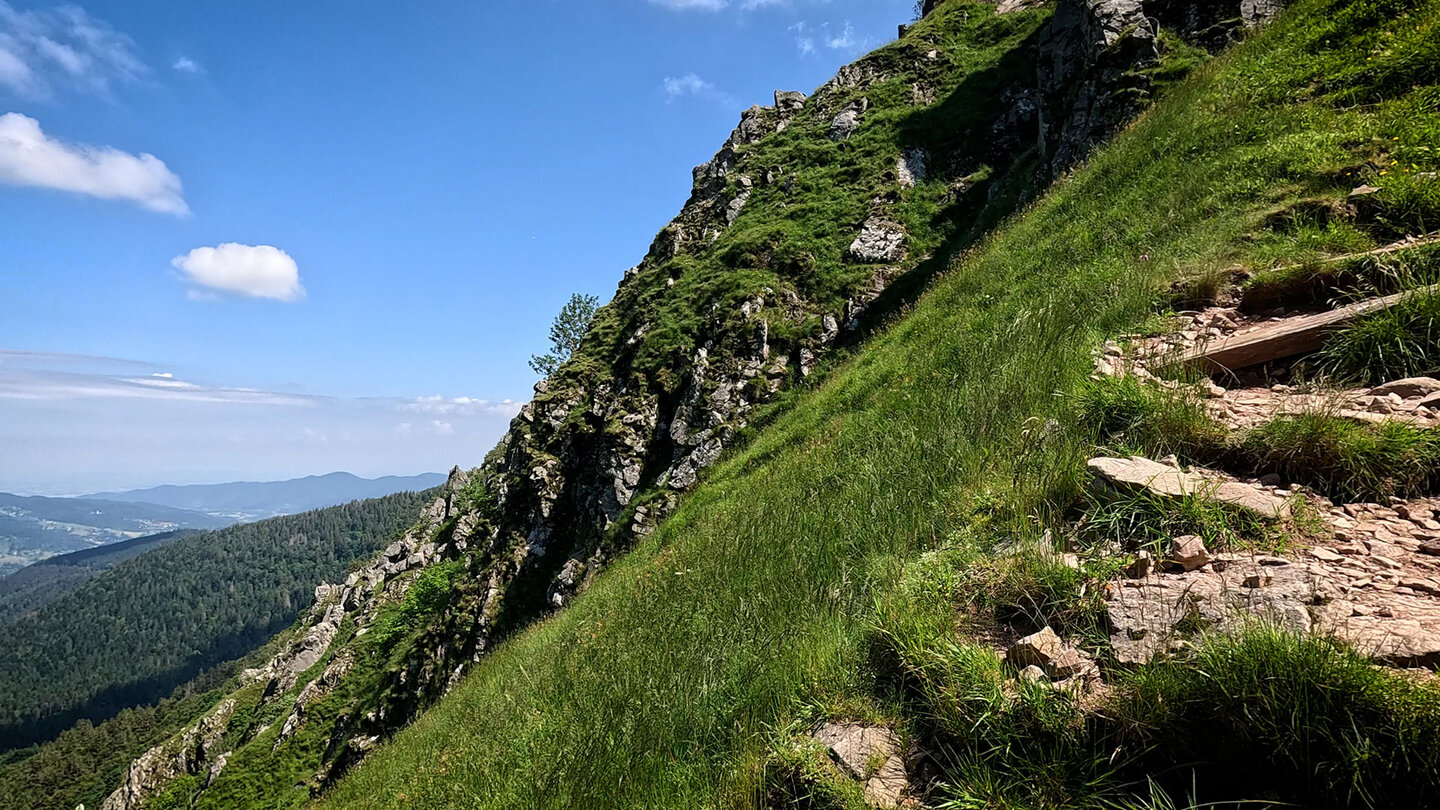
[1346, 459]
[1402, 341]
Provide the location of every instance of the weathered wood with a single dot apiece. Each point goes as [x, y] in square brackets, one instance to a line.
[1287, 338]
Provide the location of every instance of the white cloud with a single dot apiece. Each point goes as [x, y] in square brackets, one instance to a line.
[845, 39]
[804, 42]
[442, 428]
[687, 85]
[258, 271]
[461, 406]
[29, 157]
[187, 65]
[62, 46]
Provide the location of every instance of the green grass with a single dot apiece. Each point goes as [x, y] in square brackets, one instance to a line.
[1317, 282]
[1133, 417]
[1346, 459]
[1343, 459]
[1402, 341]
[1263, 715]
[1150, 522]
[663, 685]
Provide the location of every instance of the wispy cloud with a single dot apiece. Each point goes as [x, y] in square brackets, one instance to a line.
[251, 271]
[844, 39]
[692, 5]
[687, 85]
[63, 46]
[463, 406]
[29, 157]
[804, 40]
[809, 39]
[187, 65]
[717, 5]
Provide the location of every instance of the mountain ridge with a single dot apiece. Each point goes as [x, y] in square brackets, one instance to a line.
[271, 498]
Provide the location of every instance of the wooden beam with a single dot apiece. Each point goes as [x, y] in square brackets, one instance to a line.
[1286, 338]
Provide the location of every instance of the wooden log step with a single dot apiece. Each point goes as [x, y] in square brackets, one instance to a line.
[1287, 338]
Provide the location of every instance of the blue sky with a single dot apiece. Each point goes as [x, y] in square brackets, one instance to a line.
[265, 239]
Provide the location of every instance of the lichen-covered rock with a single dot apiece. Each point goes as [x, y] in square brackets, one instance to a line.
[191, 752]
[881, 240]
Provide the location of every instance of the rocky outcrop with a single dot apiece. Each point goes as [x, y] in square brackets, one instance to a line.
[1376, 586]
[192, 752]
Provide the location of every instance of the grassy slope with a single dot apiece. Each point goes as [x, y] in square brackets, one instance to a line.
[752, 606]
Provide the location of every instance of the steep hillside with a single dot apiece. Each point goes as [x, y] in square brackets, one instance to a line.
[138, 630]
[829, 601]
[35, 586]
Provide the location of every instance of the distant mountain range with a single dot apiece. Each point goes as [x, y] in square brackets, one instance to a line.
[34, 528]
[253, 501]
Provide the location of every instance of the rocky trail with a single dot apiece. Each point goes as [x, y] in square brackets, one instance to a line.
[1368, 573]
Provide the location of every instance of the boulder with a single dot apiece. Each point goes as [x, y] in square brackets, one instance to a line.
[1050, 654]
[856, 746]
[1037, 649]
[1138, 475]
[789, 100]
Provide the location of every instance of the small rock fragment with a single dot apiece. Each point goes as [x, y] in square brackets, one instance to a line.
[1187, 553]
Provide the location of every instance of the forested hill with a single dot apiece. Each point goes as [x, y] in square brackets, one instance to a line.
[35, 586]
[131, 635]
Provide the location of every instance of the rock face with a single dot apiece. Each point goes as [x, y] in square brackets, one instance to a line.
[192, 752]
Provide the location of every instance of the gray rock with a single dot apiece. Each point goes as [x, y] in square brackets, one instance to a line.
[1410, 388]
[848, 120]
[881, 240]
[789, 100]
[191, 752]
[855, 747]
[912, 167]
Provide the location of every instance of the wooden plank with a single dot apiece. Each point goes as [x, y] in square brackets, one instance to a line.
[1287, 338]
